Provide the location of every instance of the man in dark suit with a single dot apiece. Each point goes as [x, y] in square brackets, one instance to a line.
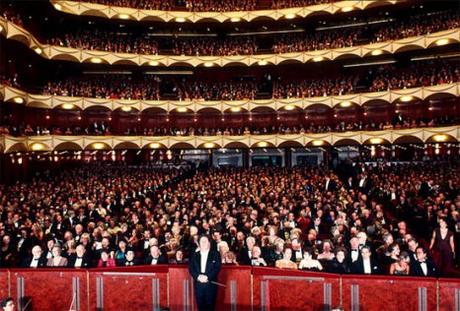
[37, 260]
[423, 266]
[330, 185]
[365, 264]
[155, 257]
[205, 267]
[79, 259]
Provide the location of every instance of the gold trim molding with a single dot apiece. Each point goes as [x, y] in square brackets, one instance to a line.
[11, 94]
[54, 142]
[15, 32]
[125, 13]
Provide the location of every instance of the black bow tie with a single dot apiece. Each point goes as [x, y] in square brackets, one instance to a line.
[35, 259]
[79, 257]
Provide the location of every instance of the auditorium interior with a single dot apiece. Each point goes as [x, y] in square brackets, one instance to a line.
[315, 142]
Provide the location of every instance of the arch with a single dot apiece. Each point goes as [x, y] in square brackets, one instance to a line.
[438, 43]
[38, 104]
[102, 59]
[179, 63]
[263, 144]
[376, 141]
[17, 147]
[318, 108]
[206, 20]
[347, 142]
[209, 145]
[126, 145]
[128, 62]
[97, 145]
[369, 5]
[22, 38]
[407, 139]
[347, 56]
[154, 145]
[182, 145]
[318, 143]
[263, 109]
[98, 13]
[65, 57]
[75, 106]
[408, 47]
[152, 18]
[235, 110]
[38, 146]
[441, 95]
[119, 109]
[374, 103]
[234, 64]
[290, 144]
[209, 110]
[290, 62]
[154, 111]
[236, 145]
[441, 138]
[68, 146]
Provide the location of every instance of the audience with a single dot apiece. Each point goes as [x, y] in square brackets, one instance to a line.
[106, 214]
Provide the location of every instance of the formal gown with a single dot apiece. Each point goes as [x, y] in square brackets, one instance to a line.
[444, 255]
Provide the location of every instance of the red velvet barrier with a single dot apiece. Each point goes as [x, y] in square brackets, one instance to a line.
[4, 283]
[153, 287]
[180, 288]
[237, 291]
[388, 293]
[130, 288]
[277, 289]
[449, 294]
[50, 289]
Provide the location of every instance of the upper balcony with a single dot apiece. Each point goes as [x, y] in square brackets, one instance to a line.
[213, 11]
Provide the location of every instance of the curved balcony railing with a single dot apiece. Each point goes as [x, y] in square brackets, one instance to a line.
[10, 144]
[124, 13]
[14, 95]
[15, 32]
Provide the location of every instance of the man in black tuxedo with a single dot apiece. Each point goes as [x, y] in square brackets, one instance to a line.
[79, 259]
[365, 264]
[37, 260]
[205, 267]
[423, 266]
[155, 257]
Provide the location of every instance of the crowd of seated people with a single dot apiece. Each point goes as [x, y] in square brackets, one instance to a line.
[198, 90]
[102, 128]
[310, 40]
[419, 25]
[382, 78]
[300, 218]
[215, 46]
[207, 5]
[107, 41]
[106, 86]
[396, 29]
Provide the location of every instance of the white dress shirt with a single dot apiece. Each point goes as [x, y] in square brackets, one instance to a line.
[424, 268]
[78, 262]
[367, 266]
[204, 258]
[34, 263]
